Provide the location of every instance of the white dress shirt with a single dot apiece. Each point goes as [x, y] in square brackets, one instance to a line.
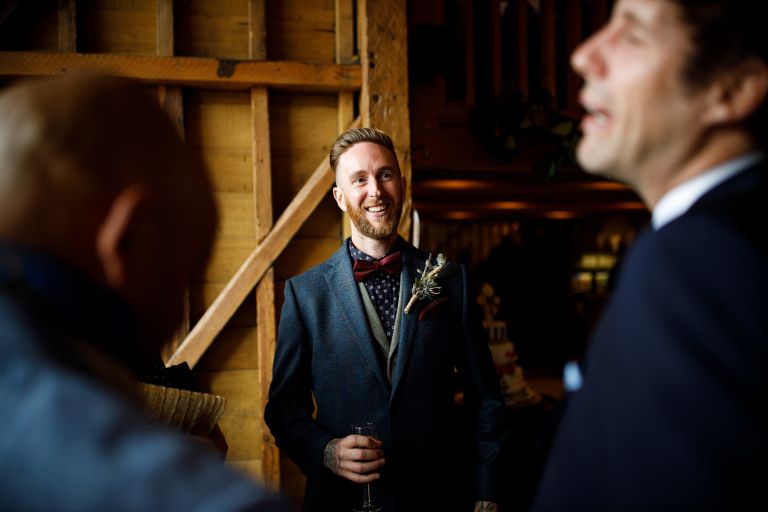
[677, 201]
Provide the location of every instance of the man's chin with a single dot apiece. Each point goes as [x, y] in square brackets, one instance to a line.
[381, 232]
[590, 164]
[594, 159]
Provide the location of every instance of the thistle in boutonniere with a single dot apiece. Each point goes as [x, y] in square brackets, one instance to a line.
[425, 287]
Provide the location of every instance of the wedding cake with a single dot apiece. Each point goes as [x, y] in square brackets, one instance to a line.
[515, 391]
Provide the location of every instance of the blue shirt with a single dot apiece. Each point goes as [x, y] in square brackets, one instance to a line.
[71, 437]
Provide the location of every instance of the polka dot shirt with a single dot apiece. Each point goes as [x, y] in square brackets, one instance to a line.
[383, 288]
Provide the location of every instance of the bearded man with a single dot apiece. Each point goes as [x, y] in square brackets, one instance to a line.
[347, 348]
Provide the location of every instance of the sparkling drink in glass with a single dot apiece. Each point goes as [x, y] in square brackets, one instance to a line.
[366, 429]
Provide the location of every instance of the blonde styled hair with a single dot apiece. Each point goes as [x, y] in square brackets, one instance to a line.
[354, 136]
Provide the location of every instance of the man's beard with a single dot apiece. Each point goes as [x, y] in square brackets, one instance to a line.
[379, 232]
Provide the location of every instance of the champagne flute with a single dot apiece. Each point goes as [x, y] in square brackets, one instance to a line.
[366, 429]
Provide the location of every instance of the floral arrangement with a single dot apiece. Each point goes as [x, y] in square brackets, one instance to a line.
[425, 286]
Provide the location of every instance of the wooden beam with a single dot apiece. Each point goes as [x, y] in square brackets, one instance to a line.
[266, 328]
[171, 98]
[512, 186]
[190, 71]
[257, 30]
[67, 26]
[172, 101]
[266, 339]
[383, 48]
[511, 209]
[255, 266]
[345, 54]
[345, 32]
[164, 36]
[346, 113]
[262, 166]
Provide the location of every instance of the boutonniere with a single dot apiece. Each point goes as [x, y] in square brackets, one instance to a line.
[425, 286]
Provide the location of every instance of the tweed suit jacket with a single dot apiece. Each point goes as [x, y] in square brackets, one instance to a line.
[673, 411]
[326, 352]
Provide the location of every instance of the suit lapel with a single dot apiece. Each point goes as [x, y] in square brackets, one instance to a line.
[409, 322]
[343, 288]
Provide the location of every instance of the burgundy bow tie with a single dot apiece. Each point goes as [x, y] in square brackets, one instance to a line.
[391, 264]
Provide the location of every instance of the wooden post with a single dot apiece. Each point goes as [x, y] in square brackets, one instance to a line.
[345, 33]
[345, 54]
[67, 26]
[382, 43]
[172, 101]
[257, 32]
[266, 329]
[164, 21]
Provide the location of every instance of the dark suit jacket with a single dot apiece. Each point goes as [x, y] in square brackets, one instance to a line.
[672, 413]
[326, 351]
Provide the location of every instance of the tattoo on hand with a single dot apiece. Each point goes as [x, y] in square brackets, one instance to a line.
[331, 455]
[486, 506]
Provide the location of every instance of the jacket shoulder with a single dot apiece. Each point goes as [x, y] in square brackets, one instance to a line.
[317, 273]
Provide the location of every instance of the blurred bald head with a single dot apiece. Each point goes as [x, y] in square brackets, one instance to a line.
[93, 171]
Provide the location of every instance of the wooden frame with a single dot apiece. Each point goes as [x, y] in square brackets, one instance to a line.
[255, 266]
[190, 71]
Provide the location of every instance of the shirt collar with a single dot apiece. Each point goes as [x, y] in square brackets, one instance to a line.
[677, 201]
[357, 254]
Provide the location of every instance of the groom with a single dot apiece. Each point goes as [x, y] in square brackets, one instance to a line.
[346, 347]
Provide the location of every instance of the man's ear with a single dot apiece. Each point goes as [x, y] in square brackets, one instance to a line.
[738, 94]
[338, 195]
[115, 239]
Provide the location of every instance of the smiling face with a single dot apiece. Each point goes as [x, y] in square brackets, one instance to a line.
[642, 122]
[369, 187]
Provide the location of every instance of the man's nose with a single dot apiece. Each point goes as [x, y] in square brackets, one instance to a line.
[587, 58]
[374, 189]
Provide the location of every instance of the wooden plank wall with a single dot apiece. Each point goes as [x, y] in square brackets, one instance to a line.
[260, 143]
